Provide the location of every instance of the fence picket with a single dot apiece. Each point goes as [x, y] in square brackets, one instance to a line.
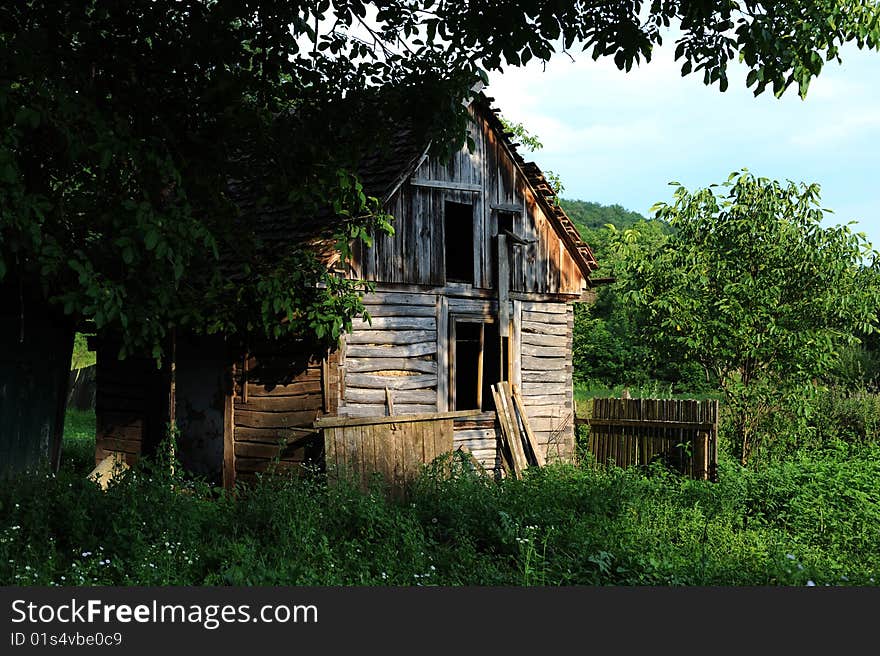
[630, 432]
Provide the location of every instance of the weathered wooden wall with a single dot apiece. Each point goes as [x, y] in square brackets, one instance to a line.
[405, 352]
[681, 433]
[491, 180]
[479, 436]
[131, 405]
[401, 360]
[397, 352]
[394, 450]
[35, 348]
[545, 337]
[284, 393]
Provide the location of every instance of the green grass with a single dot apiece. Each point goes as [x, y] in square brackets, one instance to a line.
[81, 356]
[78, 448]
[814, 517]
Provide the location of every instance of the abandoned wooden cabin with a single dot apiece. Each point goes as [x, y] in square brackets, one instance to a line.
[476, 285]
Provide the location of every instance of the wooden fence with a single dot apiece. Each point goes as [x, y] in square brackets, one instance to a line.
[394, 447]
[681, 433]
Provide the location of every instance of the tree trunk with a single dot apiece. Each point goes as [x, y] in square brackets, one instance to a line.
[36, 343]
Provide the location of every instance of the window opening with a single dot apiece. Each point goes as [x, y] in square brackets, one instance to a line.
[459, 233]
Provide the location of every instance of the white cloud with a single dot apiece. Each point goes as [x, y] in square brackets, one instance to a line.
[620, 137]
[847, 127]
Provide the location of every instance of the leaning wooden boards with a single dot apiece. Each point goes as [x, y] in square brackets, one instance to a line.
[516, 434]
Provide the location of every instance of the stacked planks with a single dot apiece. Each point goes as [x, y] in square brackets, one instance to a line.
[273, 421]
[477, 435]
[519, 447]
[130, 399]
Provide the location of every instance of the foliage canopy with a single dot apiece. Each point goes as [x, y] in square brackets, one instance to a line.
[123, 123]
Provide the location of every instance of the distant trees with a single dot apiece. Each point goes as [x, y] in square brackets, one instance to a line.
[594, 217]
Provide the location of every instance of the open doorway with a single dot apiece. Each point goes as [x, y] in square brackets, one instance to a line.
[480, 358]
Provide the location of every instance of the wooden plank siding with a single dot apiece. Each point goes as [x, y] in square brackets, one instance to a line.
[546, 370]
[396, 351]
[396, 452]
[272, 428]
[131, 405]
[401, 356]
[681, 433]
[491, 180]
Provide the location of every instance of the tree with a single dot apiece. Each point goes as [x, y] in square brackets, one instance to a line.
[610, 345]
[123, 123]
[756, 289]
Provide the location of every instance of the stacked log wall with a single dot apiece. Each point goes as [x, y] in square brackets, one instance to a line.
[479, 437]
[131, 405]
[395, 351]
[282, 395]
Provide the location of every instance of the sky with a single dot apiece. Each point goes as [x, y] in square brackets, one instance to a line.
[616, 137]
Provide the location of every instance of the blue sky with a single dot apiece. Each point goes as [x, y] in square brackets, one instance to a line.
[617, 137]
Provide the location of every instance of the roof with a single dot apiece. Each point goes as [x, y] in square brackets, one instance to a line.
[276, 224]
[565, 227]
[381, 173]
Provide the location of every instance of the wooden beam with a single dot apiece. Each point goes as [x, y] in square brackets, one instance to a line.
[503, 287]
[442, 309]
[325, 383]
[389, 402]
[374, 381]
[446, 184]
[530, 436]
[515, 345]
[327, 422]
[368, 365]
[647, 423]
[244, 377]
[480, 360]
[453, 356]
[406, 289]
[228, 472]
[382, 337]
[514, 208]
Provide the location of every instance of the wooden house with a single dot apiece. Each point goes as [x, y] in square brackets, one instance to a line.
[475, 286]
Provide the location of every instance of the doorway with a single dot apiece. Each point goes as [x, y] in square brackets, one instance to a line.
[480, 358]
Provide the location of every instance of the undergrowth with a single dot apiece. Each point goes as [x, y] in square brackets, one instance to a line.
[811, 519]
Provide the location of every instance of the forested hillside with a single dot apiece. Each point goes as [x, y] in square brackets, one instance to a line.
[610, 347]
[587, 214]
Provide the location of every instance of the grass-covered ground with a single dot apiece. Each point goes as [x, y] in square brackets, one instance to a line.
[813, 517]
[78, 448]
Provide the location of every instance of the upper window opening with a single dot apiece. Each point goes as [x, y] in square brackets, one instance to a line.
[459, 225]
[505, 222]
